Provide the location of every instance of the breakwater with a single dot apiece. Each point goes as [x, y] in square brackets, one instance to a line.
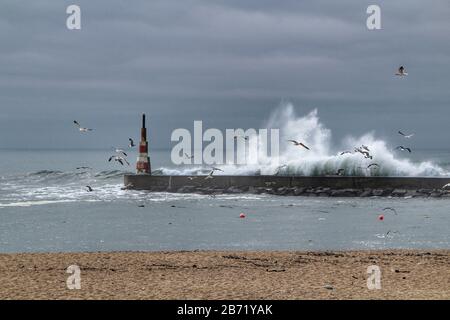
[335, 186]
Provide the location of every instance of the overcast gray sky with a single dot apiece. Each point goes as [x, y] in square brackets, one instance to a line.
[228, 63]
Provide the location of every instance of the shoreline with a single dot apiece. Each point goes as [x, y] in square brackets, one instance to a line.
[405, 274]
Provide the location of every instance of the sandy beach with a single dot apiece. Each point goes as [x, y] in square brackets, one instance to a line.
[227, 275]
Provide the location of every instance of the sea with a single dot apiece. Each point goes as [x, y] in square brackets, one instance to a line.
[45, 207]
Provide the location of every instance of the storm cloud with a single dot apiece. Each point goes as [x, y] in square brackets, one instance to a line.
[229, 63]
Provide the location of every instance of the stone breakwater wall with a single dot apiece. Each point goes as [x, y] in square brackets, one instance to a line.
[332, 186]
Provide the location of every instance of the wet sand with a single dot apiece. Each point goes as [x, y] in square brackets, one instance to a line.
[405, 274]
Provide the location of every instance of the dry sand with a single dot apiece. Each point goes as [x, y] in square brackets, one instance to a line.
[227, 275]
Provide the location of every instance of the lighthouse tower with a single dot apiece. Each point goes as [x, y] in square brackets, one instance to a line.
[143, 161]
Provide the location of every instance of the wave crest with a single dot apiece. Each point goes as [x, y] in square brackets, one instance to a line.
[324, 158]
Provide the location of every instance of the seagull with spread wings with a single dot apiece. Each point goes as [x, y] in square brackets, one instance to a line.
[240, 136]
[119, 159]
[82, 129]
[210, 174]
[278, 169]
[296, 143]
[401, 72]
[366, 154]
[407, 136]
[402, 148]
[120, 152]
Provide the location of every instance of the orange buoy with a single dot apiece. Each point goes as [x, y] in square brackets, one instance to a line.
[242, 215]
[381, 217]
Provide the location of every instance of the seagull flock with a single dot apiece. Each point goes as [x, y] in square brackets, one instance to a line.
[119, 156]
[363, 150]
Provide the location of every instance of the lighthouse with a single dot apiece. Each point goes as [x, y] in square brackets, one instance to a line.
[143, 161]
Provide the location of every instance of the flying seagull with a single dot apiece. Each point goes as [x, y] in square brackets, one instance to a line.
[390, 209]
[340, 172]
[447, 186]
[365, 148]
[373, 165]
[131, 145]
[210, 175]
[80, 127]
[387, 233]
[345, 152]
[83, 168]
[128, 186]
[89, 189]
[241, 136]
[277, 172]
[401, 72]
[407, 136]
[296, 143]
[188, 157]
[192, 178]
[363, 152]
[120, 151]
[402, 148]
[119, 159]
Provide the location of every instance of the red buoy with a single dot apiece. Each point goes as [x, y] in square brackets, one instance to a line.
[242, 215]
[381, 217]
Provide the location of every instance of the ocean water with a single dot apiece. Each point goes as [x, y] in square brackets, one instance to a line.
[44, 207]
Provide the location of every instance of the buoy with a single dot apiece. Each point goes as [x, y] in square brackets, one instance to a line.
[242, 215]
[381, 217]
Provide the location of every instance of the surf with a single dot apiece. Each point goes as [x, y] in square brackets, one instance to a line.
[325, 157]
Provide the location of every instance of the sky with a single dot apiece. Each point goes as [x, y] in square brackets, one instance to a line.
[230, 63]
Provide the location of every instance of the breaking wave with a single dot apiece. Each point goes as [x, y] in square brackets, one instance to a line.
[61, 177]
[324, 157]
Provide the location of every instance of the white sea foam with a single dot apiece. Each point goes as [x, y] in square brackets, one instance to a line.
[324, 157]
[33, 203]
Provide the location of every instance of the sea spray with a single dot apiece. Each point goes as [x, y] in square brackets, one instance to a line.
[324, 157]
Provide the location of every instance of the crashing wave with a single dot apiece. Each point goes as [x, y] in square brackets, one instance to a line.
[323, 158]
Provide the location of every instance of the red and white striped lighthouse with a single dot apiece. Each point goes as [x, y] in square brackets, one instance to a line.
[143, 160]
